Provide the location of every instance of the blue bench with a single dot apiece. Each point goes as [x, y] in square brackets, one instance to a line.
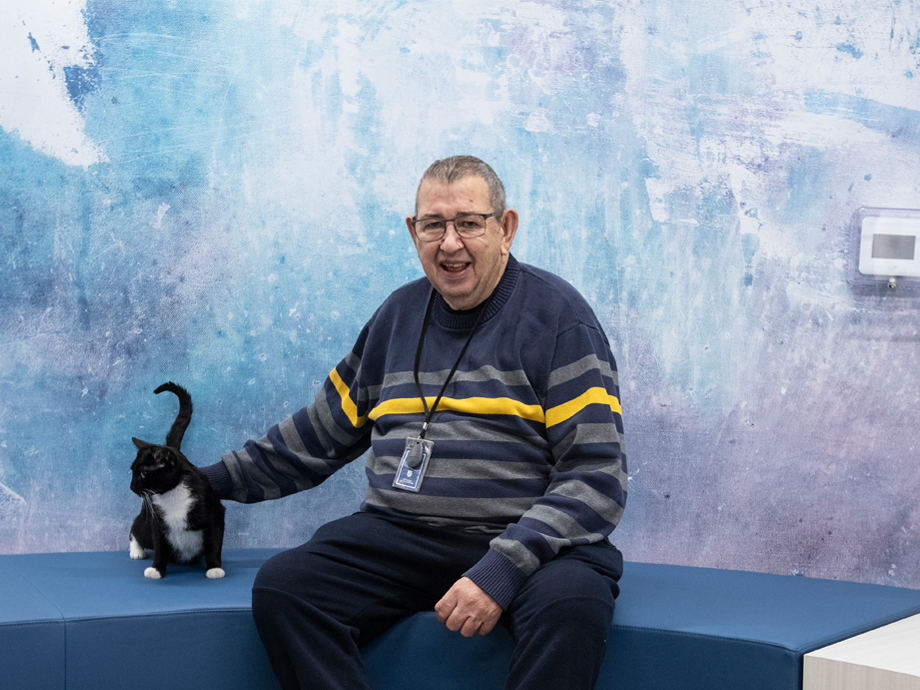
[91, 621]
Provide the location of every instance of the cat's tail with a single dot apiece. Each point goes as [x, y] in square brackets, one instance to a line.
[174, 438]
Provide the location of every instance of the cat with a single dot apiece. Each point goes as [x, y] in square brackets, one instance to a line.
[181, 519]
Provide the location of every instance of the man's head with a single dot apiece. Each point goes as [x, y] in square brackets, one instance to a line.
[455, 168]
[465, 263]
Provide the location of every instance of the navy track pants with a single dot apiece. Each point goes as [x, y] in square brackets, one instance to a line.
[315, 606]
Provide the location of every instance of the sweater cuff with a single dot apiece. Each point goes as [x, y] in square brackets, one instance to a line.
[219, 477]
[498, 577]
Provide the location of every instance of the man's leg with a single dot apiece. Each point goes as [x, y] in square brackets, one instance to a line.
[561, 618]
[316, 606]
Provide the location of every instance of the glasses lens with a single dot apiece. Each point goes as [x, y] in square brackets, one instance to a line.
[430, 229]
[466, 226]
[470, 226]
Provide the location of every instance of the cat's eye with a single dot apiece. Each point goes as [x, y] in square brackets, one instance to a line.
[143, 474]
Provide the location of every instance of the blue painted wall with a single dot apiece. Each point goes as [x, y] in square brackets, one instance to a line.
[214, 192]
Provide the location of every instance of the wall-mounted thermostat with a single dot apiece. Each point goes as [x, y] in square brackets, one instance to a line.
[887, 246]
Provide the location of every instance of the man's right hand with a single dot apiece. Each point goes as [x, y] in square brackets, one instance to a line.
[468, 609]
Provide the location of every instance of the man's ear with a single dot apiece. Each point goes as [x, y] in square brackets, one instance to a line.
[411, 231]
[509, 223]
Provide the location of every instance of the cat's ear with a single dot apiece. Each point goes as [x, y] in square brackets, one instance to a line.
[141, 445]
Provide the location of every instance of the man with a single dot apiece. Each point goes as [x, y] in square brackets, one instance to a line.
[488, 397]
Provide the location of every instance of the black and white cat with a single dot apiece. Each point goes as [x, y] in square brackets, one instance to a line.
[181, 519]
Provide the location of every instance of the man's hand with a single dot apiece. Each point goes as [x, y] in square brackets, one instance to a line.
[468, 609]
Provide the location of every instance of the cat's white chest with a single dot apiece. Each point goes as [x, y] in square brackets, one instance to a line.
[175, 506]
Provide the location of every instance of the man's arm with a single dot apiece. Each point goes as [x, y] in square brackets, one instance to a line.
[587, 491]
[306, 448]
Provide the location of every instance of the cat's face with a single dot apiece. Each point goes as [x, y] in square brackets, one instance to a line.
[156, 469]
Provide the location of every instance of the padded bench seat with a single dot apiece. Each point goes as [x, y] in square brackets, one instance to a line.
[91, 621]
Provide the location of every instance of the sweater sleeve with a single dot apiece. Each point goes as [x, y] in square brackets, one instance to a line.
[307, 447]
[587, 490]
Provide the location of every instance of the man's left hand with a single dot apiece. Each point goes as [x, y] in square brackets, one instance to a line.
[468, 609]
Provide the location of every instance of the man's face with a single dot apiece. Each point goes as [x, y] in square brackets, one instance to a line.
[464, 271]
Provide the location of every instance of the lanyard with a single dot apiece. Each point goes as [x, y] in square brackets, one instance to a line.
[418, 358]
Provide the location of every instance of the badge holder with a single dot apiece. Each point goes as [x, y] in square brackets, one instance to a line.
[413, 464]
[414, 461]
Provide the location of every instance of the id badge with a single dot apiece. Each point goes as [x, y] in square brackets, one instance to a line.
[413, 464]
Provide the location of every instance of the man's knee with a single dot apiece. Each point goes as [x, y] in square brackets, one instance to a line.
[568, 585]
[587, 614]
[568, 592]
[560, 622]
[590, 571]
[303, 576]
[277, 572]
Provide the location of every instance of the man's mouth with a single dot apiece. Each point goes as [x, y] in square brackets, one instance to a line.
[454, 267]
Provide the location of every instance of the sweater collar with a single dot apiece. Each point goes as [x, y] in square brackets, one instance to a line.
[452, 318]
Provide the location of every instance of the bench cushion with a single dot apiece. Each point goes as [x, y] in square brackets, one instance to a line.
[684, 627]
[31, 633]
[92, 620]
[126, 631]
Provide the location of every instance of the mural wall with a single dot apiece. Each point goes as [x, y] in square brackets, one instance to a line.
[214, 193]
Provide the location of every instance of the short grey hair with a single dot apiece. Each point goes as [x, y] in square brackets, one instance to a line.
[450, 170]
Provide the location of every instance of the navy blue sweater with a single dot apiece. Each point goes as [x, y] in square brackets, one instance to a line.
[528, 437]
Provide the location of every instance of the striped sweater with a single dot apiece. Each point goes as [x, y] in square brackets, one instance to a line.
[528, 437]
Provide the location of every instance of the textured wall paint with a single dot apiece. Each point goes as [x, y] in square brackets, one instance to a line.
[213, 193]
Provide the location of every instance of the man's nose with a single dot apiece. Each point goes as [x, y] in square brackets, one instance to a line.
[451, 240]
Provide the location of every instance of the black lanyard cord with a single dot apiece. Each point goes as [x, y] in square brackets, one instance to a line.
[418, 359]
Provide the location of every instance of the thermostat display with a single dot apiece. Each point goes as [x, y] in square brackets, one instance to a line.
[894, 246]
[889, 245]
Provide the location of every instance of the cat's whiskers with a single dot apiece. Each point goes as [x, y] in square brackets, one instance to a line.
[148, 506]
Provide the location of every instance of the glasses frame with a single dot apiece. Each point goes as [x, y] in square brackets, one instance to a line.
[466, 236]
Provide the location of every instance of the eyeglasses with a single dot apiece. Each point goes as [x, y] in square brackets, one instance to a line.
[467, 225]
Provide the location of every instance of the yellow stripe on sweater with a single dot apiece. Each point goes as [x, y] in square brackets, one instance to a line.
[592, 396]
[348, 406]
[476, 405]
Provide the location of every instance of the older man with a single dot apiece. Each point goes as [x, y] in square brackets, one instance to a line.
[488, 398]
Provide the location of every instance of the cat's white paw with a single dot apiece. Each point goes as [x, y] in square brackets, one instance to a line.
[215, 573]
[135, 550]
[152, 573]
